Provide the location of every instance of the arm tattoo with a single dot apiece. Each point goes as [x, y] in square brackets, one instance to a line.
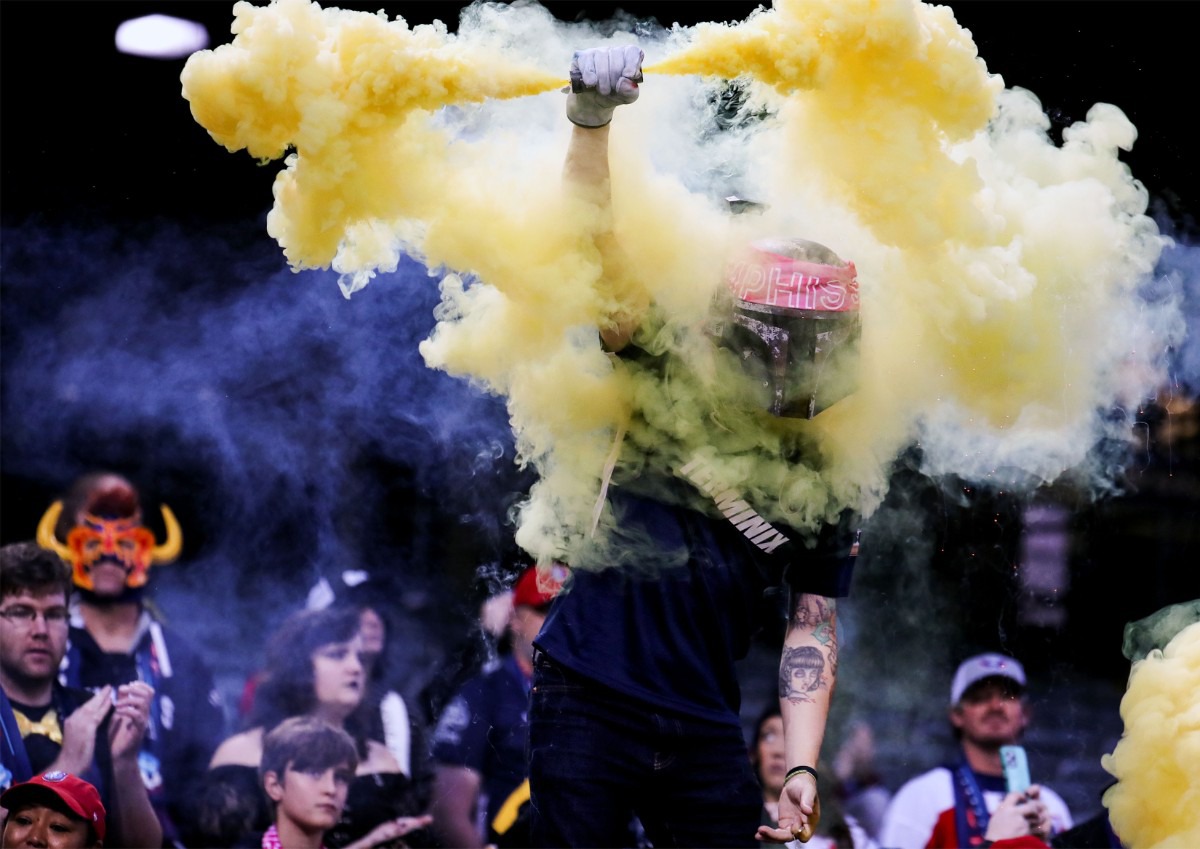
[802, 669]
[800, 673]
[814, 614]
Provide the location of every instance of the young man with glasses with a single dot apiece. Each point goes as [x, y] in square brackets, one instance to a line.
[50, 728]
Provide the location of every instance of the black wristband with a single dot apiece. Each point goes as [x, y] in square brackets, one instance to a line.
[796, 770]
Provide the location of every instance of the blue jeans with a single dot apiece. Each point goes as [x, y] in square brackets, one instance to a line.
[598, 759]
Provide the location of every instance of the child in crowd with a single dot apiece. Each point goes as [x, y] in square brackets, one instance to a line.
[55, 810]
[307, 767]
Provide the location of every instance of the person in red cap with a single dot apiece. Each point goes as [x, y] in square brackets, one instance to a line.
[479, 739]
[55, 810]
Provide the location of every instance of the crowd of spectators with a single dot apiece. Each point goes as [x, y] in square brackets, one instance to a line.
[95, 686]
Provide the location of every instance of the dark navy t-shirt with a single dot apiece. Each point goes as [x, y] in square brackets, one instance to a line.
[671, 637]
[484, 727]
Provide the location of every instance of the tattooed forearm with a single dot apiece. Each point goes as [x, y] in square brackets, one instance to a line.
[810, 653]
[801, 673]
[813, 614]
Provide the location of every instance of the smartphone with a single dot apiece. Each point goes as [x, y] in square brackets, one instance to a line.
[1016, 768]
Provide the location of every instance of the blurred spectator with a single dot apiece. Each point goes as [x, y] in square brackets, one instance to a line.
[55, 810]
[859, 785]
[480, 768]
[491, 609]
[312, 669]
[230, 809]
[49, 728]
[950, 806]
[835, 829]
[389, 717]
[117, 638]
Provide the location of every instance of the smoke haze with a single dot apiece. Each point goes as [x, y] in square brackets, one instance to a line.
[1019, 307]
[1002, 275]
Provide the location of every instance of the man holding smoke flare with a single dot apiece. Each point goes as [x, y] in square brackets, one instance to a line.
[635, 702]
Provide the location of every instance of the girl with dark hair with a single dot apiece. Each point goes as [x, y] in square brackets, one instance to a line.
[385, 710]
[313, 668]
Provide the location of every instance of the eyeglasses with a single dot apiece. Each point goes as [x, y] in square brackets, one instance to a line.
[23, 616]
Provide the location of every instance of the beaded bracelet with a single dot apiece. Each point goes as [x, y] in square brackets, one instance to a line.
[796, 770]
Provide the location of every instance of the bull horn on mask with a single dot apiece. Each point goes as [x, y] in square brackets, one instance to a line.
[45, 531]
[170, 548]
[165, 553]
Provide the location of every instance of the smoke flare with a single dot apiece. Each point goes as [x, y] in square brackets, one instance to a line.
[1157, 794]
[1002, 274]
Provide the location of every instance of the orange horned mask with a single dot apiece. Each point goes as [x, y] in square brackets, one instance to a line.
[125, 541]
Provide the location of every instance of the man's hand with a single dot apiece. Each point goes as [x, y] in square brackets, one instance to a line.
[131, 718]
[799, 812]
[603, 78]
[79, 733]
[1018, 815]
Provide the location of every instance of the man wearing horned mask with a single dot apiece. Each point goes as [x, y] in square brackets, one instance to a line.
[635, 704]
[116, 637]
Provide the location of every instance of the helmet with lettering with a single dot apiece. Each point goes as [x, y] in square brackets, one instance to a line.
[790, 311]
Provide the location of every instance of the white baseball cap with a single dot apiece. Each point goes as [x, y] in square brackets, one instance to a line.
[975, 669]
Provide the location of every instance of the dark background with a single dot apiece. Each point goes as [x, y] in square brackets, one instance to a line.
[69, 98]
[148, 324]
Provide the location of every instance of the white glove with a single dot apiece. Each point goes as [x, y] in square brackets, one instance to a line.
[603, 78]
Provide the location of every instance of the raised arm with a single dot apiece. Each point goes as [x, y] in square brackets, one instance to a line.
[807, 675]
[602, 78]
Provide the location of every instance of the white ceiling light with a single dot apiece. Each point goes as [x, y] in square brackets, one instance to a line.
[161, 37]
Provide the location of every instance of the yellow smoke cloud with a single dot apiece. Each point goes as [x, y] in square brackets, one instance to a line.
[999, 271]
[347, 91]
[1155, 801]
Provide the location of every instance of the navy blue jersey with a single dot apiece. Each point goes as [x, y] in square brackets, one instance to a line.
[671, 636]
[485, 727]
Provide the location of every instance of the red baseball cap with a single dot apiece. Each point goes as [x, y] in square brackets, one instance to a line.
[539, 591]
[77, 794]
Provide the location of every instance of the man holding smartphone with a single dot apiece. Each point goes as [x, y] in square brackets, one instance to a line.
[953, 805]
